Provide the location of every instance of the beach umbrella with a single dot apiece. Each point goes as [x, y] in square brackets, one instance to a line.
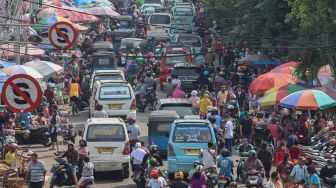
[329, 91]
[270, 80]
[291, 88]
[274, 98]
[45, 23]
[21, 69]
[44, 67]
[288, 64]
[308, 100]
[103, 11]
[285, 70]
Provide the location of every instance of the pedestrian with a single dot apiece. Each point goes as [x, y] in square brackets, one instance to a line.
[228, 133]
[53, 129]
[299, 173]
[328, 173]
[313, 179]
[246, 127]
[295, 151]
[170, 87]
[284, 168]
[36, 172]
[279, 155]
[179, 183]
[275, 181]
[265, 156]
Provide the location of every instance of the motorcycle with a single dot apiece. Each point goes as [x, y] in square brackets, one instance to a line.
[241, 161]
[253, 180]
[212, 177]
[139, 176]
[61, 174]
[142, 103]
[224, 181]
[152, 101]
[39, 135]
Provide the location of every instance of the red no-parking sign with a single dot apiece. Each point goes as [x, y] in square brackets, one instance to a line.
[62, 35]
[21, 93]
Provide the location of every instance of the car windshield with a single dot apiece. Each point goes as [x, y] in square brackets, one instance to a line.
[105, 132]
[160, 127]
[152, 2]
[136, 42]
[186, 72]
[114, 92]
[190, 40]
[107, 77]
[192, 133]
[160, 19]
[171, 60]
[183, 11]
[179, 28]
[124, 24]
[182, 110]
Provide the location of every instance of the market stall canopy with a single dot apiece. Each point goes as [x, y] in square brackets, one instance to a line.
[7, 51]
[103, 11]
[308, 100]
[270, 80]
[44, 67]
[45, 23]
[71, 13]
[286, 70]
[274, 98]
[325, 75]
[21, 69]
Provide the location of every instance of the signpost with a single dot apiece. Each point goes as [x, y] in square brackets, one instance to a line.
[21, 93]
[62, 35]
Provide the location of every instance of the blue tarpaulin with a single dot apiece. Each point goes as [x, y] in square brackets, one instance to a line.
[261, 62]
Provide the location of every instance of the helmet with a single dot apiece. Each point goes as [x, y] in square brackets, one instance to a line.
[148, 73]
[252, 153]
[230, 106]
[87, 77]
[149, 55]
[153, 162]
[206, 73]
[179, 175]
[155, 173]
[225, 153]
[199, 168]
[63, 162]
[332, 142]
[139, 60]
[157, 51]
[196, 163]
[153, 148]
[194, 93]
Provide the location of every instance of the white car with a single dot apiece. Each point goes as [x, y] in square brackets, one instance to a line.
[108, 143]
[116, 96]
[106, 75]
[158, 26]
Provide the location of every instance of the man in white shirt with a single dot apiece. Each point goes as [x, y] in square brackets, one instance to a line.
[209, 156]
[228, 133]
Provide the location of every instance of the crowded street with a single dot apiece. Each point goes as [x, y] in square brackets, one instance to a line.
[167, 93]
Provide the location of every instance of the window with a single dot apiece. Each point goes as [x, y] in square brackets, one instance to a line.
[178, 29]
[107, 77]
[114, 92]
[183, 11]
[159, 19]
[190, 40]
[152, 2]
[103, 133]
[104, 61]
[192, 133]
[187, 72]
[174, 59]
[182, 110]
[126, 24]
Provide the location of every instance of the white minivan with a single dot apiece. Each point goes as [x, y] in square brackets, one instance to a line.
[158, 26]
[108, 144]
[116, 96]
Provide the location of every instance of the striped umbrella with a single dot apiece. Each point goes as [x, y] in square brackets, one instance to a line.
[291, 88]
[270, 80]
[274, 98]
[285, 70]
[308, 100]
[288, 64]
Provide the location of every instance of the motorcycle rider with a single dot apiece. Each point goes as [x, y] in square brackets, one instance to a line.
[209, 156]
[153, 154]
[137, 155]
[252, 163]
[179, 183]
[133, 131]
[150, 81]
[72, 157]
[141, 89]
[198, 178]
[225, 164]
[245, 147]
[153, 164]
[155, 181]
[87, 172]
[99, 112]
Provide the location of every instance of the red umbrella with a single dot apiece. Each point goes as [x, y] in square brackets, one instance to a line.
[289, 64]
[269, 80]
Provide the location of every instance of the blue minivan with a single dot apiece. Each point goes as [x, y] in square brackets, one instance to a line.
[187, 138]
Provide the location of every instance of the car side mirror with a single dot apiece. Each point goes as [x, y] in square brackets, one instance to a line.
[80, 133]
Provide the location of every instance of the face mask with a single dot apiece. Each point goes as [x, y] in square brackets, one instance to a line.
[329, 167]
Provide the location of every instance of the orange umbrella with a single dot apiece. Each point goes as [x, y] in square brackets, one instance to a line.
[269, 80]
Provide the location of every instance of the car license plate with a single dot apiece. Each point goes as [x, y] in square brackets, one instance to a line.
[115, 106]
[222, 181]
[192, 151]
[105, 150]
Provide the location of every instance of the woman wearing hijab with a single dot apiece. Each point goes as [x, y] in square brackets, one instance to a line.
[178, 93]
[204, 103]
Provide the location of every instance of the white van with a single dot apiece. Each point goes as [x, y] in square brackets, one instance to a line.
[106, 75]
[116, 96]
[108, 143]
[158, 26]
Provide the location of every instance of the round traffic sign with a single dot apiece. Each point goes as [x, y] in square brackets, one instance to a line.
[62, 35]
[21, 93]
